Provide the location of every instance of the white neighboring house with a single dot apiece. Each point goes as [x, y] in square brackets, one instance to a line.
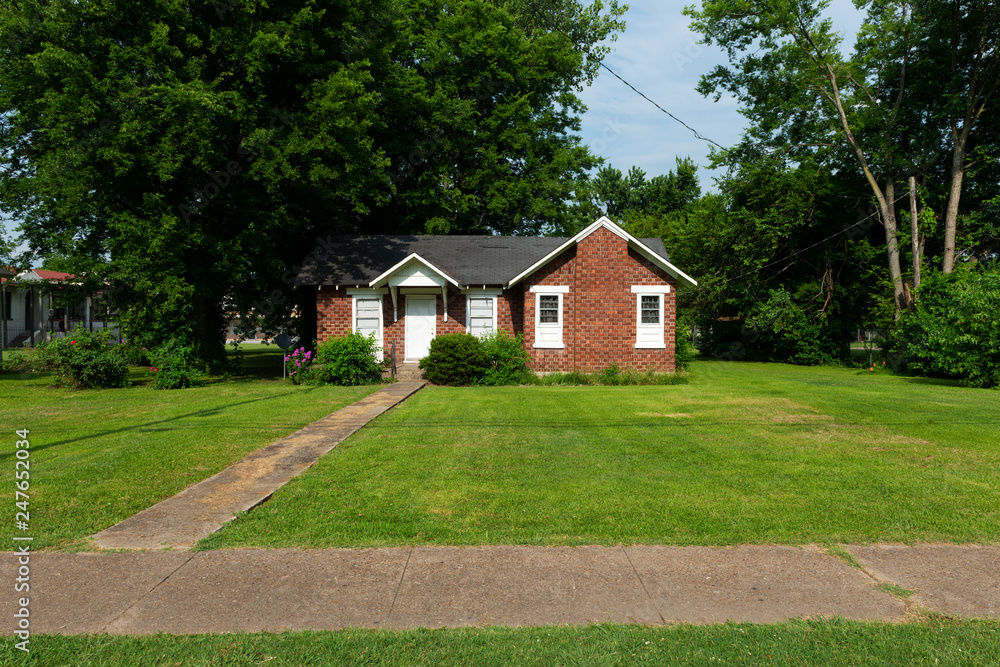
[31, 310]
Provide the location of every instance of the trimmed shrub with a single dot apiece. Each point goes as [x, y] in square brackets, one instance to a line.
[456, 359]
[508, 360]
[175, 366]
[955, 329]
[84, 359]
[348, 360]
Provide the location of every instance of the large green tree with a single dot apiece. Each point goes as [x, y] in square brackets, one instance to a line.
[190, 152]
[920, 82]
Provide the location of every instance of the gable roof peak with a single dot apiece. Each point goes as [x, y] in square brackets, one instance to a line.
[607, 223]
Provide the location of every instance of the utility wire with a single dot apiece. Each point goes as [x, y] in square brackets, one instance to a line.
[697, 134]
[702, 137]
[832, 236]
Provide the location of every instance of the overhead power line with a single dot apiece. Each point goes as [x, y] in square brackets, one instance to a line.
[832, 236]
[696, 133]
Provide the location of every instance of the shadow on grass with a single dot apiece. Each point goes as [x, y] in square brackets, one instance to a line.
[145, 426]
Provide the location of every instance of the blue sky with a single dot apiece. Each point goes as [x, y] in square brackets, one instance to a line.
[659, 55]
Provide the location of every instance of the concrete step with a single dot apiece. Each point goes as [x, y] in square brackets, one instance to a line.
[407, 372]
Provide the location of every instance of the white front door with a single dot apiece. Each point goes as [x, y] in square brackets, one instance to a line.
[420, 325]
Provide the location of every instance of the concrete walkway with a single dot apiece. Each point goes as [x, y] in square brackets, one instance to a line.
[198, 511]
[285, 589]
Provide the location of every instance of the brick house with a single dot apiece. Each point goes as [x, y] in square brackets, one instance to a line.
[600, 297]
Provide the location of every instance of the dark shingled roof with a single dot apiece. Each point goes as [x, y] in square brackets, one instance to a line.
[469, 260]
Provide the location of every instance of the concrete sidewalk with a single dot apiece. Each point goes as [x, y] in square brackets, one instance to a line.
[271, 590]
[198, 511]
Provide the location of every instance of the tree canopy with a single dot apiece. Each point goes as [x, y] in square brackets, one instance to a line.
[191, 152]
[909, 112]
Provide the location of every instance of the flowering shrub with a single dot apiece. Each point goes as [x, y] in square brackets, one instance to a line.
[174, 366]
[299, 364]
[347, 360]
[84, 359]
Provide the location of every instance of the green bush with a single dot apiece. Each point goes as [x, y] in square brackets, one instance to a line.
[784, 328]
[175, 366]
[684, 349]
[955, 329]
[348, 360]
[456, 359]
[507, 358]
[21, 361]
[84, 359]
[134, 354]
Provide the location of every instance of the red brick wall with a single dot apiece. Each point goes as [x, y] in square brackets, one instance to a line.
[599, 310]
[334, 308]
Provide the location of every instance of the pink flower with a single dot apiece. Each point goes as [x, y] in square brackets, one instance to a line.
[72, 342]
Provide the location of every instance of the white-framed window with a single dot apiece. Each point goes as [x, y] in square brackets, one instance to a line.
[366, 312]
[649, 315]
[481, 314]
[549, 315]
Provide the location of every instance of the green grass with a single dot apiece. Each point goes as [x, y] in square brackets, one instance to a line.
[745, 453]
[835, 642]
[894, 589]
[99, 456]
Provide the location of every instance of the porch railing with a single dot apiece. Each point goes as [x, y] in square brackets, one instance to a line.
[18, 336]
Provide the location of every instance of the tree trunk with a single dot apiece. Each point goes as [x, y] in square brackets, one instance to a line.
[954, 196]
[916, 245]
[210, 331]
[888, 210]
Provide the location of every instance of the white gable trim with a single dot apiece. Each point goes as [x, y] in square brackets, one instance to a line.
[437, 279]
[633, 242]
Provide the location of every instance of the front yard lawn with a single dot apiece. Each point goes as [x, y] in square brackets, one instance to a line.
[745, 453]
[99, 456]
